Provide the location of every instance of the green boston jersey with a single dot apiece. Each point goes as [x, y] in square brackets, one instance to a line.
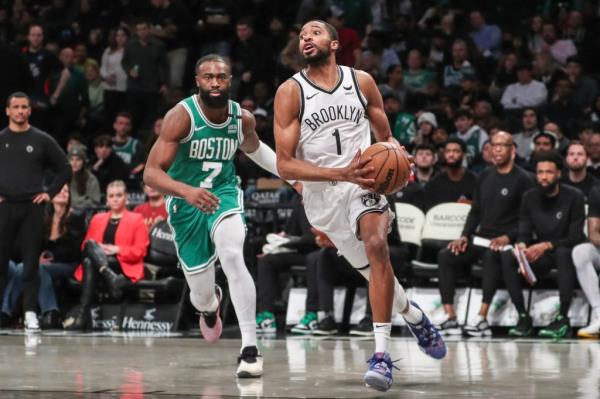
[205, 157]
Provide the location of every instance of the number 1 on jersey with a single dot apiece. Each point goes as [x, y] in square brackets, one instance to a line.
[215, 168]
[338, 142]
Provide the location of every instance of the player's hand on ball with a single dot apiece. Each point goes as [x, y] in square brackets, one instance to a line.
[356, 170]
[202, 199]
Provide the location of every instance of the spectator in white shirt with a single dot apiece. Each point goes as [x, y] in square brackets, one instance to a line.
[527, 92]
[113, 76]
[524, 138]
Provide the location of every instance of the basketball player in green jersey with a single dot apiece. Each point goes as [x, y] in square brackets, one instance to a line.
[192, 164]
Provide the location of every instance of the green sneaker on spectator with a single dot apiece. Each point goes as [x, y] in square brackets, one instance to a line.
[265, 323]
[307, 325]
[557, 329]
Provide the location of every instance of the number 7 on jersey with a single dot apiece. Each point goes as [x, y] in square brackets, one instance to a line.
[214, 168]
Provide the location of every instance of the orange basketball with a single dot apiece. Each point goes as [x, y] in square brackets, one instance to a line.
[392, 167]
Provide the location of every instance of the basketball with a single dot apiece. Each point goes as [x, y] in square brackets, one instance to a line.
[392, 167]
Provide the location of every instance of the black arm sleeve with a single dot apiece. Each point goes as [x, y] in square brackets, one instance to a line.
[306, 241]
[575, 234]
[525, 233]
[58, 162]
[474, 216]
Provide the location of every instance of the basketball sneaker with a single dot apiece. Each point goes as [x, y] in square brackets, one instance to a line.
[327, 326]
[429, 339]
[265, 323]
[210, 322]
[449, 327]
[364, 328]
[31, 322]
[250, 363]
[593, 330]
[379, 373]
[557, 329]
[307, 325]
[478, 327]
[524, 327]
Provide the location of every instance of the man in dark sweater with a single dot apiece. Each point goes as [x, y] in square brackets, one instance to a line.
[577, 175]
[550, 225]
[147, 67]
[494, 215]
[26, 153]
[107, 166]
[455, 184]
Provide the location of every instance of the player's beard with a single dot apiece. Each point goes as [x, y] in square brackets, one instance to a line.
[549, 188]
[214, 102]
[318, 59]
[454, 165]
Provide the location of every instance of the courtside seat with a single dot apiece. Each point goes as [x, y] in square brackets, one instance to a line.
[161, 268]
[443, 223]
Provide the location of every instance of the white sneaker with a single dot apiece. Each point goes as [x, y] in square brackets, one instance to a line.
[478, 327]
[591, 331]
[250, 363]
[449, 327]
[32, 323]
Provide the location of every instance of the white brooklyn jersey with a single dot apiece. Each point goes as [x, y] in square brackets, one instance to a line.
[333, 124]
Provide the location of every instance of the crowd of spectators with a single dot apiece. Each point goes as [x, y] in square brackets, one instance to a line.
[101, 74]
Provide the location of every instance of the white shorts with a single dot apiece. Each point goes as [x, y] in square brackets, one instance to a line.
[335, 209]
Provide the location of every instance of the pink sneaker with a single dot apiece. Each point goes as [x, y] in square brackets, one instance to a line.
[210, 322]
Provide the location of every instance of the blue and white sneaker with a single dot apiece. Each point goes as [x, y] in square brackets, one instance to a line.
[429, 339]
[379, 374]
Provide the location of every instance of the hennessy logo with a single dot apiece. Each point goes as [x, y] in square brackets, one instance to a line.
[149, 315]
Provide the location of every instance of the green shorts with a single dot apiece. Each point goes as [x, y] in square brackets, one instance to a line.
[193, 229]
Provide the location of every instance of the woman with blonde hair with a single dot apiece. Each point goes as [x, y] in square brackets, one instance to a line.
[114, 248]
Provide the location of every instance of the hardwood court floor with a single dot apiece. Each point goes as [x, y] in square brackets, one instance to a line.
[134, 366]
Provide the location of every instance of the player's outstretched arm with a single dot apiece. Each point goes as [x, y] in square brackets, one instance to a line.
[254, 148]
[176, 126]
[287, 136]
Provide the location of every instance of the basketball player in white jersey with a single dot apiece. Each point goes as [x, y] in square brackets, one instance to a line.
[323, 120]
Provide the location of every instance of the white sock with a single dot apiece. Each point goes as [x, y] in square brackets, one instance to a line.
[248, 331]
[595, 314]
[400, 298]
[414, 314]
[382, 335]
[202, 290]
[229, 238]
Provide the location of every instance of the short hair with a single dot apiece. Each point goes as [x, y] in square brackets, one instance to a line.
[212, 58]
[104, 140]
[575, 59]
[456, 140]
[142, 21]
[35, 26]
[424, 147]
[124, 114]
[463, 112]
[577, 142]
[117, 184]
[17, 94]
[549, 156]
[328, 27]
[245, 21]
[530, 109]
[391, 68]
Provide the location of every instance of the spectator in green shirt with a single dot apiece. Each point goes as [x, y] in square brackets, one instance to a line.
[416, 78]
